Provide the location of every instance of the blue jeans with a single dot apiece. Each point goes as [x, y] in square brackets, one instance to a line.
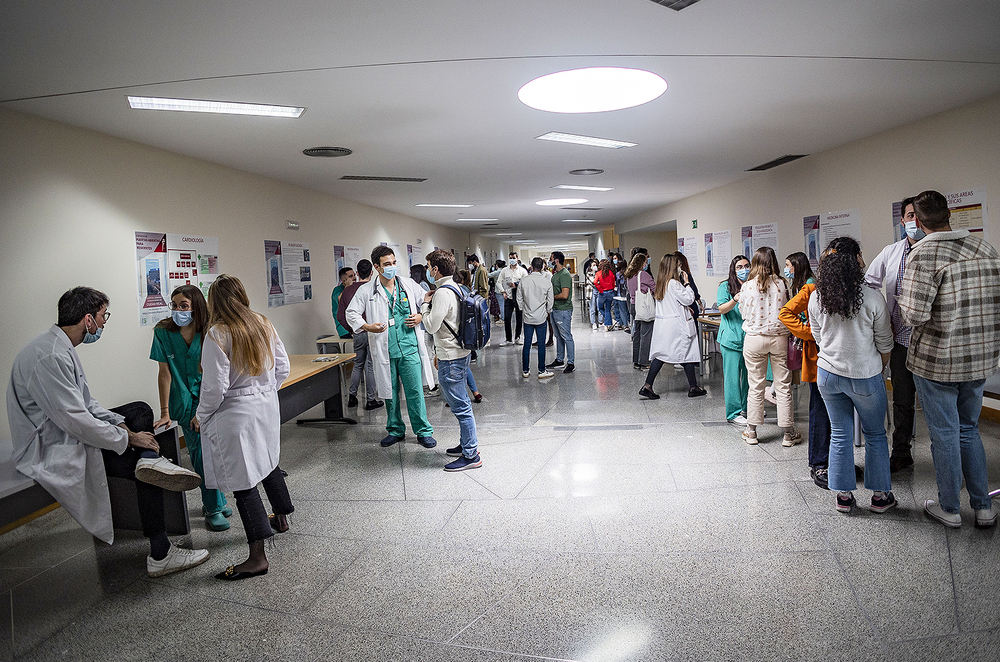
[452, 375]
[469, 379]
[952, 414]
[593, 308]
[537, 330]
[565, 346]
[819, 429]
[621, 311]
[842, 396]
[604, 301]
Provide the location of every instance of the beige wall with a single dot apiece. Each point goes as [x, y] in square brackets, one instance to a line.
[71, 199]
[657, 243]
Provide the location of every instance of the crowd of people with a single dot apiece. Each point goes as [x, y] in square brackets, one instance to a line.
[221, 365]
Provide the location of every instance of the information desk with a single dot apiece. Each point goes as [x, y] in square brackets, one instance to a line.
[309, 383]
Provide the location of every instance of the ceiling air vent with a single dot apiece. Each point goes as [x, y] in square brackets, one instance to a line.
[777, 162]
[586, 171]
[676, 5]
[367, 178]
[327, 151]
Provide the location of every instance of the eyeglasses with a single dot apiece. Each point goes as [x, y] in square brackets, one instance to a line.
[106, 316]
[184, 306]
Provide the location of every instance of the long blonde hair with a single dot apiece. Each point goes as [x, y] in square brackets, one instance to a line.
[250, 332]
[763, 267]
[670, 265]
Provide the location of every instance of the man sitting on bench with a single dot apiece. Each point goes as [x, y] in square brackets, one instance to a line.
[69, 444]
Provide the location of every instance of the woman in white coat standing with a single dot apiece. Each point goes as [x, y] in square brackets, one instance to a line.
[674, 332]
[243, 364]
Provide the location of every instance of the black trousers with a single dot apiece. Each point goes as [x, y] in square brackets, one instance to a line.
[138, 418]
[904, 393]
[511, 309]
[251, 508]
[689, 368]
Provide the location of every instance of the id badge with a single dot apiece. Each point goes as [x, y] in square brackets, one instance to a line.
[392, 321]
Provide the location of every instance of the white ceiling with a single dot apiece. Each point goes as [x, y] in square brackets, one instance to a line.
[429, 89]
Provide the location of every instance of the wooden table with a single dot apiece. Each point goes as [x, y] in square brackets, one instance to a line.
[309, 383]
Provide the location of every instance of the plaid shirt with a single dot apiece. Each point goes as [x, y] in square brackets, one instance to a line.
[951, 298]
[902, 332]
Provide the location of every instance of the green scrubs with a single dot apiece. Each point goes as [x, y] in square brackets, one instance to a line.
[734, 368]
[337, 291]
[405, 367]
[184, 362]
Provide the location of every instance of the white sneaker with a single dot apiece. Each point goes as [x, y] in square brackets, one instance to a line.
[177, 559]
[503, 343]
[433, 392]
[165, 474]
[517, 341]
[739, 421]
[986, 518]
[934, 509]
[546, 374]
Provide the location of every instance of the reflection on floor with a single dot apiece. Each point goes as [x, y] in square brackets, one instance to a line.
[600, 527]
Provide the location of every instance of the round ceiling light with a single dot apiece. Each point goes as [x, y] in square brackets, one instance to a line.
[592, 90]
[327, 152]
[559, 202]
[586, 171]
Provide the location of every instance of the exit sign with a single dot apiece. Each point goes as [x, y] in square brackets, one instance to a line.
[694, 224]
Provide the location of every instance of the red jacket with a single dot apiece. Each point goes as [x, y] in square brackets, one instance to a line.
[604, 282]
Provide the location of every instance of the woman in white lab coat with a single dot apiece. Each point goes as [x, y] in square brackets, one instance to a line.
[243, 363]
[674, 331]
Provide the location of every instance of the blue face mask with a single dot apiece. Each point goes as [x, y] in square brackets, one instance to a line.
[789, 274]
[89, 337]
[742, 274]
[914, 232]
[182, 317]
[430, 278]
[390, 272]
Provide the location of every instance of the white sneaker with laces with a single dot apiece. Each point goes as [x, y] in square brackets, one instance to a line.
[177, 559]
[165, 474]
[526, 374]
[986, 518]
[546, 374]
[739, 420]
[934, 510]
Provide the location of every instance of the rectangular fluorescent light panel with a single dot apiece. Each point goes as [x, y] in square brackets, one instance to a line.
[476, 220]
[585, 188]
[577, 220]
[585, 233]
[585, 140]
[433, 204]
[223, 107]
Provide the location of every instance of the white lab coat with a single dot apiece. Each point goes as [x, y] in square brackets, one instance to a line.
[884, 270]
[239, 415]
[58, 430]
[370, 300]
[674, 331]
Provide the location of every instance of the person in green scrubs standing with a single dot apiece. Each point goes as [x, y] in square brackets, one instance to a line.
[734, 368]
[177, 348]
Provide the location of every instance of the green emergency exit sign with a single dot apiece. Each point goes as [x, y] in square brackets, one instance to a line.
[694, 224]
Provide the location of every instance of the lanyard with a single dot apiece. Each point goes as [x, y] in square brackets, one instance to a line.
[392, 299]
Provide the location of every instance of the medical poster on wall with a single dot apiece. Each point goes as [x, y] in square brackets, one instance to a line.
[709, 265]
[416, 253]
[810, 232]
[152, 289]
[846, 223]
[765, 234]
[689, 246]
[289, 273]
[746, 240]
[722, 249]
[192, 260]
[340, 258]
[352, 255]
[968, 210]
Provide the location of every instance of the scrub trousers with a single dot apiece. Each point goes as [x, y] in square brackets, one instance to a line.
[408, 370]
[735, 383]
[212, 500]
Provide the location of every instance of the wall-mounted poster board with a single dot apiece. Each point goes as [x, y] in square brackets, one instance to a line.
[166, 261]
[288, 272]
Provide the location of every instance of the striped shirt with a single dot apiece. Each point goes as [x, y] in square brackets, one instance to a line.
[951, 298]
[902, 332]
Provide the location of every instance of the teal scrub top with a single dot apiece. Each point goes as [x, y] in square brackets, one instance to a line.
[184, 362]
[731, 325]
[337, 291]
[402, 339]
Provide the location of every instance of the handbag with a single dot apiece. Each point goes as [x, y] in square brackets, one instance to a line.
[794, 353]
[645, 306]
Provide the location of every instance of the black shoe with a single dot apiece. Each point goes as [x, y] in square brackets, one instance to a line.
[454, 452]
[569, 367]
[352, 401]
[390, 440]
[549, 344]
[555, 364]
[637, 366]
[230, 574]
[897, 462]
[820, 477]
[695, 391]
[859, 472]
[427, 442]
[648, 394]
[374, 404]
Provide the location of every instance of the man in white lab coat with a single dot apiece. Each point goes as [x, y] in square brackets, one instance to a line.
[69, 444]
[391, 306]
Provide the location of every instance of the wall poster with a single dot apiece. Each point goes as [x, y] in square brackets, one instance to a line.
[689, 246]
[288, 272]
[167, 261]
[835, 224]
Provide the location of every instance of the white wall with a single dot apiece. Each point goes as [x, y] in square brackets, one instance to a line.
[71, 199]
[658, 243]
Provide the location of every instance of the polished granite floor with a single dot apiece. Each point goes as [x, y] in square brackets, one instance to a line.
[600, 527]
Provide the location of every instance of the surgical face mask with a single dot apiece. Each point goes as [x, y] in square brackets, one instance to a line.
[789, 274]
[181, 317]
[913, 231]
[552, 265]
[742, 273]
[390, 272]
[430, 278]
[89, 337]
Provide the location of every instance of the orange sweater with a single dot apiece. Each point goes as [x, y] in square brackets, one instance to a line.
[789, 316]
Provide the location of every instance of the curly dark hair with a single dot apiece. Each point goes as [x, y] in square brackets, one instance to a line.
[841, 278]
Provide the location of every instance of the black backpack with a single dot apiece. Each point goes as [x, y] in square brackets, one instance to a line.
[473, 319]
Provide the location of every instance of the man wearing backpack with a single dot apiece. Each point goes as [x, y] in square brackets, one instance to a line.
[440, 313]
